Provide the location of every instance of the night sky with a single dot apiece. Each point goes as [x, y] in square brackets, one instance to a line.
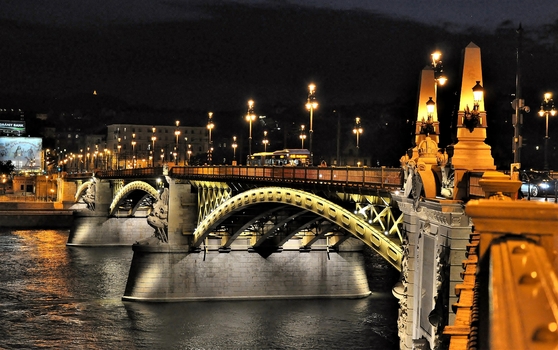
[216, 55]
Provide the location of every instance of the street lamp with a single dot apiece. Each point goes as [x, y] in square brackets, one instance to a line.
[118, 155]
[134, 151]
[153, 139]
[250, 118]
[176, 133]
[234, 146]
[427, 127]
[547, 109]
[189, 153]
[311, 104]
[302, 136]
[439, 77]
[210, 127]
[471, 119]
[357, 131]
[265, 141]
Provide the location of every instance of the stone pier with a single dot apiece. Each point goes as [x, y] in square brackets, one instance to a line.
[166, 271]
[92, 225]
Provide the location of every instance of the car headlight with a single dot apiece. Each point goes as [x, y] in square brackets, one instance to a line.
[544, 185]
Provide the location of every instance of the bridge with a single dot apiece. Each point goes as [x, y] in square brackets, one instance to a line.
[466, 247]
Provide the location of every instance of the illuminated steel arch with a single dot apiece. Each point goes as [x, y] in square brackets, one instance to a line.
[385, 246]
[132, 186]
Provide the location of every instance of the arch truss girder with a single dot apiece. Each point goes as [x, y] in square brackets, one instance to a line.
[286, 225]
[382, 216]
[129, 188]
[243, 222]
[320, 231]
[352, 223]
[210, 196]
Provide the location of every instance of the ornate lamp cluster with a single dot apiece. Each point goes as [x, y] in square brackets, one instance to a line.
[438, 68]
[471, 118]
[210, 127]
[250, 118]
[311, 105]
[547, 109]
[427, 126]
[357, 130]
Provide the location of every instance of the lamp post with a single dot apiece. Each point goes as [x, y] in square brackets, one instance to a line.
[119, 146]
[265, 141]
[439, 77]
[311, 104]
[547, 109]
[86, 159]
[427, 126]
[47, 187]
[250, 117]
[471, 119]
[133, 151]
[302, 136]
[210, 127]
[176, 153]
[234, 146]
[108, 159]
[357, 130]
[189, 153]
[186, 148]
[153, 139]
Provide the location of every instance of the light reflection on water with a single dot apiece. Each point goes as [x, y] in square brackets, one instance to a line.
[53, 296]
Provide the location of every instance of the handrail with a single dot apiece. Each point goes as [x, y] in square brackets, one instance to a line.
[388, 178]
[381, 178]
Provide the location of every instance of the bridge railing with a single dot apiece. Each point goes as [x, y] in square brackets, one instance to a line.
[136, 172]
[389, 178]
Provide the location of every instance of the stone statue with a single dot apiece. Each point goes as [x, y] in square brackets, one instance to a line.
[158, 219]
[89, 196]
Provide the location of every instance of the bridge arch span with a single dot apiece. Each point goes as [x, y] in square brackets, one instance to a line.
[129, 188]
[281, 197]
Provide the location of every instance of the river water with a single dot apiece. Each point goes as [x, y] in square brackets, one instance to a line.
[58, 297]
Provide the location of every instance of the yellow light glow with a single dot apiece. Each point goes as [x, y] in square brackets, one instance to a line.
[436, 57]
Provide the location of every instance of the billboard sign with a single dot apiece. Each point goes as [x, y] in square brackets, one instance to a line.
[24, 152]
[12, 127]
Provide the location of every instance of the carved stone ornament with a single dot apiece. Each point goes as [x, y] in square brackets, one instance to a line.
[471, 119]
[89, 195]
[416, 190]
[158, 219]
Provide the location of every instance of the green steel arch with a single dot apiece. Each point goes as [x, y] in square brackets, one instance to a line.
[358, 228]
[83, 187]
[132, 186]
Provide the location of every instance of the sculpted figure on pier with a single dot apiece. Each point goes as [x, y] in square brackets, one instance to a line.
[158, 219]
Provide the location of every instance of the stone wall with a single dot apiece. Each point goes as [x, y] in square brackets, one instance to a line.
[105, 231]
[43, 219]
[163, 273]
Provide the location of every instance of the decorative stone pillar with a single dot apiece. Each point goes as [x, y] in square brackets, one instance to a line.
[437, 232]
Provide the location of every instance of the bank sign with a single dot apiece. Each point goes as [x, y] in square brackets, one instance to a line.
[24, 152]
[12, 128]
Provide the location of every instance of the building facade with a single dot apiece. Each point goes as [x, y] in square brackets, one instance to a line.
[132, 145]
